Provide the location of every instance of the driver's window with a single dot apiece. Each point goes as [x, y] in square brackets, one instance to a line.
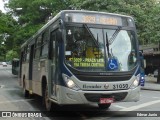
[82, 43]
[75, 42]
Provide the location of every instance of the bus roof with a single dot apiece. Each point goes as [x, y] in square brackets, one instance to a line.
[94, 12]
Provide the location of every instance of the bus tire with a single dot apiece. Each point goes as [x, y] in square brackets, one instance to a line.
[104, 106]
[46, 101]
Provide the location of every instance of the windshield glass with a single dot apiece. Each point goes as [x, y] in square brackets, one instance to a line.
[97, 49]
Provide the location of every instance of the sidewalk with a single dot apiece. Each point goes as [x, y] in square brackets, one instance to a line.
[151, 84]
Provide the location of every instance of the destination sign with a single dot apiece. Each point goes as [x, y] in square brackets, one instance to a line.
[93, 18]
[87, 62]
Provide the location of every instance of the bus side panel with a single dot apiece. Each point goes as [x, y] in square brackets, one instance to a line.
[25, 75]
[40, 71]
[36, 76]
[36, 87]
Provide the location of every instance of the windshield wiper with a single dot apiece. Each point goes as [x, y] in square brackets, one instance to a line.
[114, 35]
[91, 34]
[107, 44]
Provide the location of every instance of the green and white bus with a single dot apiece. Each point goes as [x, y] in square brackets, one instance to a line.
[82, 57]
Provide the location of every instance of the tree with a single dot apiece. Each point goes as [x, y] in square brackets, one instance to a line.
[36, 11]
[7, 28]
[32, 14]
[10, 55]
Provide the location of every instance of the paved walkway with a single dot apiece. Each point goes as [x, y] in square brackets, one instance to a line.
[151, 84]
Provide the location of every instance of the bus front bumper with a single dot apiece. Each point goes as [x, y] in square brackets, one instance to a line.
[69, 96]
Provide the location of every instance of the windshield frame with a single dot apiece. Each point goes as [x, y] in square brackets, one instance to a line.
[98, 26]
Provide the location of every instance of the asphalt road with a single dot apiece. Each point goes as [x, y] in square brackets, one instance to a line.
[12, 100]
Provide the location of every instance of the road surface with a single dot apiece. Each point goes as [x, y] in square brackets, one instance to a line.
[13, 100]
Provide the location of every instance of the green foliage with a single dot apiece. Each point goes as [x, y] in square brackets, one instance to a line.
[7, 23]
[10, 55]
[32, 14]
[7, 27]
[2, 52]
[36, 11]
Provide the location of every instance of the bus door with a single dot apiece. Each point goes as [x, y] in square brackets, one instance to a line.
[53, 58]
[31, 66]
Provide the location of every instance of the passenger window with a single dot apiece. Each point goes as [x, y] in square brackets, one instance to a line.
[45, 43]
[37, 47]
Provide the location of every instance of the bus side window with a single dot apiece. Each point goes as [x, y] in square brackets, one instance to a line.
[28, 53]
[44, 48]
[25, 54]
[37, 47]
[52, 44]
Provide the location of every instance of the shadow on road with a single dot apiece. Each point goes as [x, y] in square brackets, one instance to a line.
[69, 112]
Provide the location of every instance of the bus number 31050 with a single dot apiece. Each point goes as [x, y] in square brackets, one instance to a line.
[120, 86]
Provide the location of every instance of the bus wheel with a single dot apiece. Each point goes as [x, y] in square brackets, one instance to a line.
[104, 106]
[26, 93]
[47, 102]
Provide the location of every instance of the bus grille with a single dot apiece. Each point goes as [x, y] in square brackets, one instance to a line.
[103, 78]
[96, 97]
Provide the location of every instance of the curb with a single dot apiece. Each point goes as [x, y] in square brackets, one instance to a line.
[150, 88]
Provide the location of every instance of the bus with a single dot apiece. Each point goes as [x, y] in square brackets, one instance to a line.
[82, 57]
[15, 66]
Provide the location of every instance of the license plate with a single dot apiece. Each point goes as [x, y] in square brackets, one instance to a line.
[106, 100]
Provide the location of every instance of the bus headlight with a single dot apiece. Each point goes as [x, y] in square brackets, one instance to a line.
[70, 83]
[135, 83]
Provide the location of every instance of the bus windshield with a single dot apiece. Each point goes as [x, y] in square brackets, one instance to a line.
[100, 49]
